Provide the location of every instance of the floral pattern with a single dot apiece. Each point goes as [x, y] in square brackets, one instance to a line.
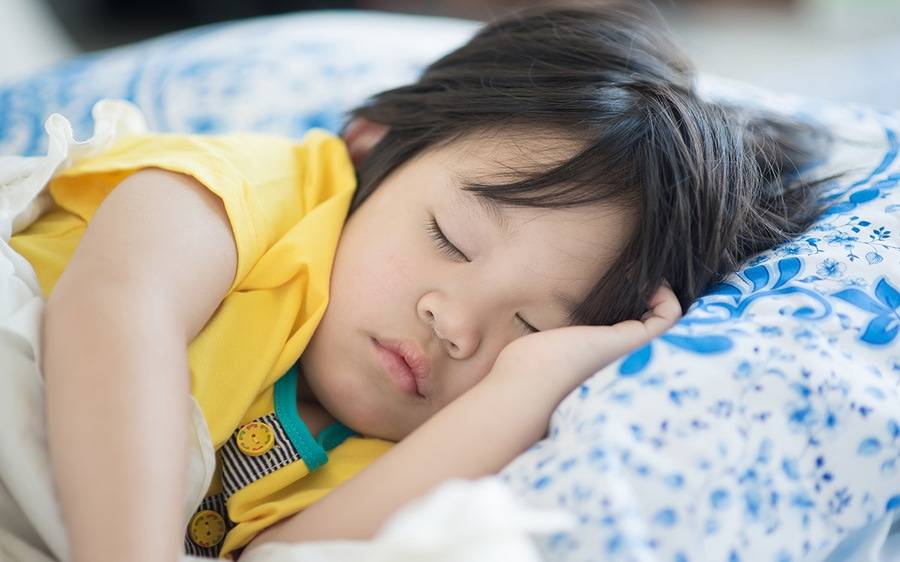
[765, 426]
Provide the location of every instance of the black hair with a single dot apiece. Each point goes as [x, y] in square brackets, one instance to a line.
[711, 184]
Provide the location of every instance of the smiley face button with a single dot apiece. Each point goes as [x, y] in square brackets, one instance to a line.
[255, 438]
[207, 528]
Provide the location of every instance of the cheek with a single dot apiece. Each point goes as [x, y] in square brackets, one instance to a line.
[386, 271]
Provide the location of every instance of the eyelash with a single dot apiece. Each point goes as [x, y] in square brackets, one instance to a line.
[445, 245]
[448, 248]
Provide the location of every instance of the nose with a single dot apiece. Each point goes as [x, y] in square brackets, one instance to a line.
[453, 326]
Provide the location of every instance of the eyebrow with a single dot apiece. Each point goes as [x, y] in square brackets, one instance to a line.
[497, 214]
[489, 207]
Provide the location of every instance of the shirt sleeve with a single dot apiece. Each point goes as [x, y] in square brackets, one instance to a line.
[267, 183]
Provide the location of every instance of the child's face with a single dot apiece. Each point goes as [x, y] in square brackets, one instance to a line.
[392, 281]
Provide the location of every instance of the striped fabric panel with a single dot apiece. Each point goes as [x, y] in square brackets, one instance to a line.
[215, 503]
[240, 470]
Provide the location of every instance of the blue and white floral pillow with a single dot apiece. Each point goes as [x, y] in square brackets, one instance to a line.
[764, 427]
[766, 424]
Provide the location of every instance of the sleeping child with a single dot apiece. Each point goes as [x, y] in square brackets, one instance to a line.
[360, 317]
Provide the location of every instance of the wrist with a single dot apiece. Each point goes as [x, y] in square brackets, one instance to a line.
[543, 385]
[518, 394]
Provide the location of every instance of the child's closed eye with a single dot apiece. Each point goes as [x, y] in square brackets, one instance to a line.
[444, 244]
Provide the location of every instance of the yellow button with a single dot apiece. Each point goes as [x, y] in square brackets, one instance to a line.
[207, 528]
[255, 438]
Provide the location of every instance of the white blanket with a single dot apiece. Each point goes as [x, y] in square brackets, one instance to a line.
[460, 521]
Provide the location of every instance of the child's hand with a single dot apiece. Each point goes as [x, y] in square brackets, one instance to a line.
[561, 359]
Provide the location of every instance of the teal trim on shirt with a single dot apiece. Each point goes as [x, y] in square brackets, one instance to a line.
[334, 435]
[311, 450]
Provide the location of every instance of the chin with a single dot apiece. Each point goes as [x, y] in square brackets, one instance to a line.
[366, 420]
[369, 424]
[342, 402]
[357, 406]
[394, 435]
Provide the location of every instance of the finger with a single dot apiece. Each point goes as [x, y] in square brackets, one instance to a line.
[664, 301]
[665, 310]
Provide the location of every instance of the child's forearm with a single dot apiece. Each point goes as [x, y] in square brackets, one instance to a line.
[117, 390]
[476, 435]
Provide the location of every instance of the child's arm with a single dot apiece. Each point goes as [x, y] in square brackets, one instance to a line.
[478, 433]
[153, 265]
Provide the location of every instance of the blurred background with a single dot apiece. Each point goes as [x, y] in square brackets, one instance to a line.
[841, 50]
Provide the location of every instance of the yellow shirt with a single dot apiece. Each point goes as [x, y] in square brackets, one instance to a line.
[286, 202]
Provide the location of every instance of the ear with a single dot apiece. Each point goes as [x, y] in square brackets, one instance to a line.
[360, 136]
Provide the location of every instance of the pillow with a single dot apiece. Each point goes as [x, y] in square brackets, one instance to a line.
[277, 74]
[764, 426]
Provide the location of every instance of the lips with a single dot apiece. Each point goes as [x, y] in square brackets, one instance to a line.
[409, 366]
